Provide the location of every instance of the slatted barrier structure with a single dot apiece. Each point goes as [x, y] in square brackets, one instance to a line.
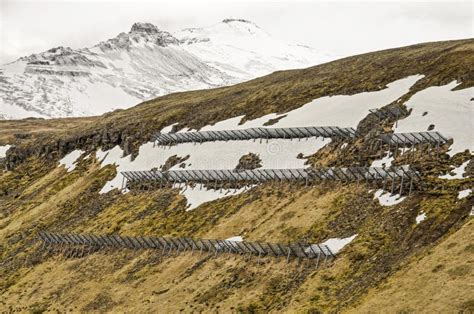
[414, 138]
[78, 245]
[387, 112]
[410, 140]
[254, 133]
[392, 177]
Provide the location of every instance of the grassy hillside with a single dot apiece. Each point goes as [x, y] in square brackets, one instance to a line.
[394, 265]
[443, 273]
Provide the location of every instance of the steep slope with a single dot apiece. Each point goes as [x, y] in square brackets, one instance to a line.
[445, 273]
[59, 179]
[139, 65]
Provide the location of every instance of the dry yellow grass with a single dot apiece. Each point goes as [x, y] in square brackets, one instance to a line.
[75, 285]
[274, 216]
[441, 281]
[10, 130]
[43, 205]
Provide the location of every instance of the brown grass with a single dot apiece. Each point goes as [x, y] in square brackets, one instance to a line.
[439, 282]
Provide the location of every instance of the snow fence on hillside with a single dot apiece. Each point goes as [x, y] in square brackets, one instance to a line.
[81, 244]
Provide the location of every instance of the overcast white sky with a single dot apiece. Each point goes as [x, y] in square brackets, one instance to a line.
[342, 27]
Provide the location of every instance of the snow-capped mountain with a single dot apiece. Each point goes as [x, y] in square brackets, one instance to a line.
[144, 63]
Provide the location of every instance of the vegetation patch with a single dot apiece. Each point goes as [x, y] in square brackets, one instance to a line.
[249, 161]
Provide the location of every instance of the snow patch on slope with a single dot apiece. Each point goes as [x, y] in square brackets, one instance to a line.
[337, 244]
[420, 217]
[458, 172]
[450, 111]
[339, 110]
[69, 161]
[387, 199]
[464, 193]
[235, 239]
[384, 162]
[200, 195]
[3, 150]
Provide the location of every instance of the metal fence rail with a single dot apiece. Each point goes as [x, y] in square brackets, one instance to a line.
[254, 133]
[86, 243]
[411, 141]
[414, 138]
[153, 178]
[387, 112]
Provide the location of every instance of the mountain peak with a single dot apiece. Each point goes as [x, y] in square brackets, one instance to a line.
[59, 50]
[140, 34]
[144, 28]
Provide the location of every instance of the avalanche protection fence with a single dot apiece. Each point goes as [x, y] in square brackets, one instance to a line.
[409, 139]
[414, 140]
[387, 112]
[255, 133]
[271, 133]
[78, 245]
[404, 177]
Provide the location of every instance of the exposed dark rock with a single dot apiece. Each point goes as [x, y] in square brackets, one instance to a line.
[249, 162]
[172, 161]
[144, 28]
[273, 121]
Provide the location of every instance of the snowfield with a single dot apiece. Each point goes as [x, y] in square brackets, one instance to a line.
[450, 111]
[344, 110]
[243, 47]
